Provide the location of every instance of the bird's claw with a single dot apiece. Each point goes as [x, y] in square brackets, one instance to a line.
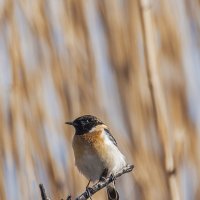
[112, 177]
[102, 179]
[88, 191]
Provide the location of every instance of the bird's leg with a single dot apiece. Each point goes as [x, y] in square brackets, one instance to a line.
[104, 175]
[112, 178]
[88, 184]
[88, 189]
[111, 191]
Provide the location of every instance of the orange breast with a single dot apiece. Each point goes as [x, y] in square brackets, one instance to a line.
[89, 142]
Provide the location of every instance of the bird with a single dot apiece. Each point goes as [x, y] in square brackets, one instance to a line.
[96, 151]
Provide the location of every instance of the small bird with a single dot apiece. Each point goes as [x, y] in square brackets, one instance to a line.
[96, 153]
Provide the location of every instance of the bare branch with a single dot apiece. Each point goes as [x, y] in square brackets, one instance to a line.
[95, 188]
[101, 184]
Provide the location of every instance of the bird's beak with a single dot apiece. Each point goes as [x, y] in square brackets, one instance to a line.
[69, 123]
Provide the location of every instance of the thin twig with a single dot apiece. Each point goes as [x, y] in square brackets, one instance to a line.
[43, 193]
[101, 184]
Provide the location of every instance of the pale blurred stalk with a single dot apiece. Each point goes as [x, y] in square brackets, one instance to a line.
[157, 95]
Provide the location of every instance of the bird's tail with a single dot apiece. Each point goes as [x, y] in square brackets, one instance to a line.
[112, 193]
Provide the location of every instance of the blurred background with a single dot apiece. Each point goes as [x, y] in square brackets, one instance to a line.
[135, 64]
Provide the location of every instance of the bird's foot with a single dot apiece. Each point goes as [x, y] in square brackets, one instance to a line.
[88, 191]
[102, 179]
[112, 178]
[104, 175]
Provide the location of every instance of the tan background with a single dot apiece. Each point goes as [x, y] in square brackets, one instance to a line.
[134, 64]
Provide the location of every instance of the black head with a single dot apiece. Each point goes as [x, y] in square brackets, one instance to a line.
[84, 124]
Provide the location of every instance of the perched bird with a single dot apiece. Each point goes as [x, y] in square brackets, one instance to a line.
[96, 152]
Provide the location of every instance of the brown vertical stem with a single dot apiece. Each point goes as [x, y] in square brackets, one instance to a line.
[157, 95]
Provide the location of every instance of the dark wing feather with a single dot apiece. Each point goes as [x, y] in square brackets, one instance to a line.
[110, 137]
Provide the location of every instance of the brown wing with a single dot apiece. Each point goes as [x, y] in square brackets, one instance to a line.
[110, 136]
